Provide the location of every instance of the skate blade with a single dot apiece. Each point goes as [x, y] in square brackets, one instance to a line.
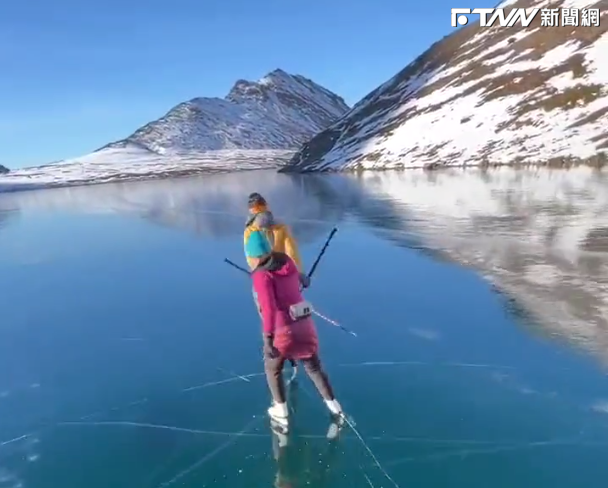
[346, 419]
[279, 426]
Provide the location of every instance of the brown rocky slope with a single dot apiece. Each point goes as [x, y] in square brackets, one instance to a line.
[482, 96]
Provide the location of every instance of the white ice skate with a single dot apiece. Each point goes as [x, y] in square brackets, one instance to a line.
[279, 413]
[338, 419]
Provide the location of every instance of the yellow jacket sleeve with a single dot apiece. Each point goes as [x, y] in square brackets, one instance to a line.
[288, 243]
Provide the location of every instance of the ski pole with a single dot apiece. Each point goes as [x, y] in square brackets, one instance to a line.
[316, 263]
[333, 322]
[234, 265]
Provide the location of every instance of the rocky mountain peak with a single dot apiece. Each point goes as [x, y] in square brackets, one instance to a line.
[279, 111]
[483, 96]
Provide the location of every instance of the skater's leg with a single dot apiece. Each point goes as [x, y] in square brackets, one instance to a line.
[319, 377]
[315, 372]
[274, 376]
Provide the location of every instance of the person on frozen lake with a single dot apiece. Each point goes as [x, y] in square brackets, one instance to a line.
[261, 218]
[289, 332]
[281, 238]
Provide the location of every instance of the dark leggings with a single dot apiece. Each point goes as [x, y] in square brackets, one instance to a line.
[314, 370]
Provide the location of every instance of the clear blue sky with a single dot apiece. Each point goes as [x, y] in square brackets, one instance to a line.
[77, 74]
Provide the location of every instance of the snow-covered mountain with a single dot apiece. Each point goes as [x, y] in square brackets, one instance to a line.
[132, 162]
[258, 125]
[483, 96]
[3, 170]
[279, 111]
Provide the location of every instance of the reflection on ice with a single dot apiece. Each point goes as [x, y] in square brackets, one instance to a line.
[600, 406]
[462, 453]
[13, 454]
[7, 215]
[539, 234]
[460, 447]
[211, 205]
[207, 457]
[426, 334]
[297, 459]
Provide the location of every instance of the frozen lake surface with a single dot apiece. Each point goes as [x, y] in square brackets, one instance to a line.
[123, 331]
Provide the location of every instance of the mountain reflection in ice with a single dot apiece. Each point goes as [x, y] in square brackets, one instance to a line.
[211, 205]
[539, 234]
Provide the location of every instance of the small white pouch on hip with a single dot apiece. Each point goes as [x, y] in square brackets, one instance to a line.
[301, 310]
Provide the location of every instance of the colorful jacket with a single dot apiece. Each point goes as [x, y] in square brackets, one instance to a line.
[278, 233]
[276, 286]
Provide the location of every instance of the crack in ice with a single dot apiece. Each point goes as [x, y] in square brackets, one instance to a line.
[211, 454]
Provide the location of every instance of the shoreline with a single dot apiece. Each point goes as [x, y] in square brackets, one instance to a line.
[6, 186]
[599, 162]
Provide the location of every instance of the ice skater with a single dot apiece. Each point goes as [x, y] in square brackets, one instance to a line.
[289, 332]
[279, 235]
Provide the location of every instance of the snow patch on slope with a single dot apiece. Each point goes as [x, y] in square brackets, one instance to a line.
[481, 96]
[133, 162]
